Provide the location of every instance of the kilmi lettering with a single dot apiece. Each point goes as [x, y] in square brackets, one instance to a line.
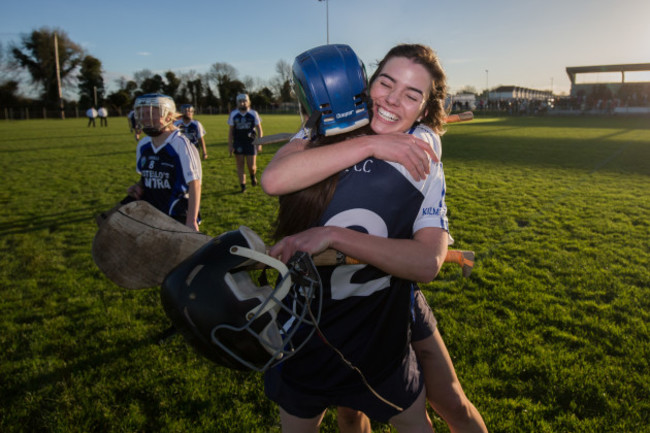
[431, 211]
[156, 183]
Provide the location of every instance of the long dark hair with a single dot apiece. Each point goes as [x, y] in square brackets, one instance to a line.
[302, 209]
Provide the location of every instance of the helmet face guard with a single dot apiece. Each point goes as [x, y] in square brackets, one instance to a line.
[214, 303]
[150, 109]
[331, 85]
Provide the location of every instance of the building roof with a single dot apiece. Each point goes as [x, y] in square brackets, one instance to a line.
[573, 70]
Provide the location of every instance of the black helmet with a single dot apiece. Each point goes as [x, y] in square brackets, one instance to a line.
[214, 303]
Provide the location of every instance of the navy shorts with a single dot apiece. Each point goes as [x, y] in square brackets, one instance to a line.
[424, 324]
[401, 388]
[244, 149]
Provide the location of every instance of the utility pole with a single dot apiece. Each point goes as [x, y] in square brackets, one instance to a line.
[327, 19]
[58, 75]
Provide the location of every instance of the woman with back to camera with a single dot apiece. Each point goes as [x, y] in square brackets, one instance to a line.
[402, 102]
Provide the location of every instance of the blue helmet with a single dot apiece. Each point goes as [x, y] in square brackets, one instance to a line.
[331, 85]
[187, 107]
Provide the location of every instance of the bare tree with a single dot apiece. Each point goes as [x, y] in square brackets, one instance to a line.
[283, 69]
[140, 76]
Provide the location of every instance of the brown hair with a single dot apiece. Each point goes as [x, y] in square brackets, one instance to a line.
[434, 109]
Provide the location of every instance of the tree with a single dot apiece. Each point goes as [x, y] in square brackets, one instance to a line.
[91, 82]
[284, 70]
[152, 84]
[228, 90]
[282, 82]
[123, 98]
[36, 54]
[468, 90]
[173, 83]
[8, 94]
[263, 98]
[225, 75]
[142, 75]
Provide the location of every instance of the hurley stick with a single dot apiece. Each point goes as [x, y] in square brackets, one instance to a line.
[460, 117]
[273, 138]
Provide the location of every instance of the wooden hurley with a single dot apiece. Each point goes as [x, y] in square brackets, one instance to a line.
[273, 138]
[460, 117]
[136, 246]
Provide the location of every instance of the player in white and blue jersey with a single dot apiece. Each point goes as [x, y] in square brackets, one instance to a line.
[168, 164]
[245, 126]
[192, 128]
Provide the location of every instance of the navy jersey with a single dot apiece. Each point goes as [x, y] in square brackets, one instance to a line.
[244, 126]
[132, 122]
[193, 130]
[166, 172]
[366, 313]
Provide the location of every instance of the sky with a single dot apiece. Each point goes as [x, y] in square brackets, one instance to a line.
[482, 44]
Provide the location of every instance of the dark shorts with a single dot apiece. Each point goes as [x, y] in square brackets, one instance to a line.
[425, 323]
[401, 388]
[245, 149]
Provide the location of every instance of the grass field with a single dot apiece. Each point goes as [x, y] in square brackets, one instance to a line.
[549, 334]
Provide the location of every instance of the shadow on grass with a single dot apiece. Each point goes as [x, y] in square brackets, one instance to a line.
[50, 222]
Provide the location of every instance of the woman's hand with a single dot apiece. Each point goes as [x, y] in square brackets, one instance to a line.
[135, 191]
[405, 149]
[191, 223]
[312, 241]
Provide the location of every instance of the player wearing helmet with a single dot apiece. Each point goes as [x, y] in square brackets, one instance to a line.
[168, 164]
[192, 128]
[244, 126]
[407, 90]
[133, 125]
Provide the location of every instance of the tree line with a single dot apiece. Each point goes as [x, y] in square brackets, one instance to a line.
[35, 54]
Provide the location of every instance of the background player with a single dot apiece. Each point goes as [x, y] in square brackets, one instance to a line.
[133, 125]
[193, 129]
[245, 125]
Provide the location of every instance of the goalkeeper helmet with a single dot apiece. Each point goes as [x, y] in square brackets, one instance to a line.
[214, 303]
[154, 112]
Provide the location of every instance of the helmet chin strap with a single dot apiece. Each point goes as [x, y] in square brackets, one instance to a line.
[284, 285]
[312, 123]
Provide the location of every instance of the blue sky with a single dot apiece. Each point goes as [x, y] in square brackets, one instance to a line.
[527, 43]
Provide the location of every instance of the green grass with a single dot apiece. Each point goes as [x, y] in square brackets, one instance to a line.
[549, 334]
